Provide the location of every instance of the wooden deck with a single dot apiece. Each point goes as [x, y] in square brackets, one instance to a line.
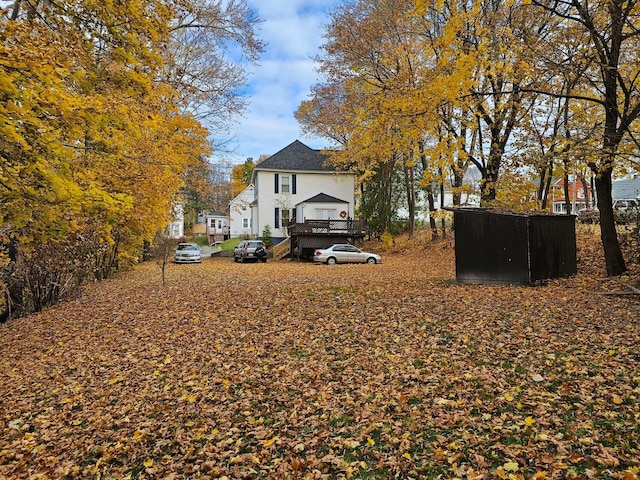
[312, 234]
[351, 228]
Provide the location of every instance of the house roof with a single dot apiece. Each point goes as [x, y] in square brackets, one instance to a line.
[628, 188]
[297, 157]
[215, 214]
[323, 198]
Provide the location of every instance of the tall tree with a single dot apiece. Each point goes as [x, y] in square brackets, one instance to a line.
[613, 30]
[241, 175]
[96, 133]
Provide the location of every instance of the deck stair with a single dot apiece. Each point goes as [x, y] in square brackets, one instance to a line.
[282, 249]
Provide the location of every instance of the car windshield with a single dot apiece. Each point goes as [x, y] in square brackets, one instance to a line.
[255, 244]
[187, 247]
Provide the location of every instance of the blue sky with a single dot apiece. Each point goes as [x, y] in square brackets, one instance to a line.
[293, 32]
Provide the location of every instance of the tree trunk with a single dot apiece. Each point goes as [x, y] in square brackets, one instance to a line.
[585, 189]
[14, 292]
[488, 184]
[612, 252]
[565, 188]
[409, 181]
[432, 209]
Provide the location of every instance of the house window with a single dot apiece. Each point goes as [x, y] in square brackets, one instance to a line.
[219, 224]
[285, 184]
[245, 223]
[326, 214]
[581, 193]
[286, 216]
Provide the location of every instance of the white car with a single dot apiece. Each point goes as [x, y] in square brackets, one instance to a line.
[344, 253]
[187, 253]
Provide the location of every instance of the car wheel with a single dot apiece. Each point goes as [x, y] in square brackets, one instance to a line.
[371, 260]
[241, 259]
[331, 261]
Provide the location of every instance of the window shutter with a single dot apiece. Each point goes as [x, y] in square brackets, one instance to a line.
[294, 214]
[293, 184]
[277, 184]
[277, 219]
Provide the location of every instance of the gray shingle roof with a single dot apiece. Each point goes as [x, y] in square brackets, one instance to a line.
[628, 188]
[323, 198]
[297, 156]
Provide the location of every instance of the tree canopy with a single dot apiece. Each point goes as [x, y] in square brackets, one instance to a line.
[526, 87]
[102, 115]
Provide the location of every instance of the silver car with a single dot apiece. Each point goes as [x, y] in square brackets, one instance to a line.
[255, 250]
[344, 253]
[187, 253]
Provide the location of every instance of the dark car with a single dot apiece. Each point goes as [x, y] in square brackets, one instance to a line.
[254, 250]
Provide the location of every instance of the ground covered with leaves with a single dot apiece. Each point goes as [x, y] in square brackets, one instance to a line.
[295, 370]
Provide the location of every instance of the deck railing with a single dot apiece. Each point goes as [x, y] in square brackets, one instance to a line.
[328, 227]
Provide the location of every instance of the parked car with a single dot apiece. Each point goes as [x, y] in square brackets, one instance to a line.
[344, 253]
[625, 210]
[624, 204]
[187, 253]
[255, 250]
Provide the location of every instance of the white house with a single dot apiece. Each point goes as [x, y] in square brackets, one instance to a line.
[214, 225]
[176, 228]
[299, 183]
[240, 213]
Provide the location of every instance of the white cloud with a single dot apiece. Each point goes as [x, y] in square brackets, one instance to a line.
[293, 31]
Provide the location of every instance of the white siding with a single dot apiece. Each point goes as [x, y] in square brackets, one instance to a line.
[308, 184]
[240, 213]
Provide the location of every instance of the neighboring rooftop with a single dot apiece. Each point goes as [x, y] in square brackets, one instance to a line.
[627, 188]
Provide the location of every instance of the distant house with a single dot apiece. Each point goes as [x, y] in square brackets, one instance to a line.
[578, 197]
[176, 228]
[240, 213]
[213, 225]
[299, 184]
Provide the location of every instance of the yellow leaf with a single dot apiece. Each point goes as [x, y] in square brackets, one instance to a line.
[148, 462]
[539, 476]
[617, 400]
[501, 473]
[507, 396]
[511, 467]
[268, 443]
[138, 434]
[407, 455]
[371, 442]
[529, 421]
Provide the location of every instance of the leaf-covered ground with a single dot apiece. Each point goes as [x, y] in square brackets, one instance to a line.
[294, 370]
